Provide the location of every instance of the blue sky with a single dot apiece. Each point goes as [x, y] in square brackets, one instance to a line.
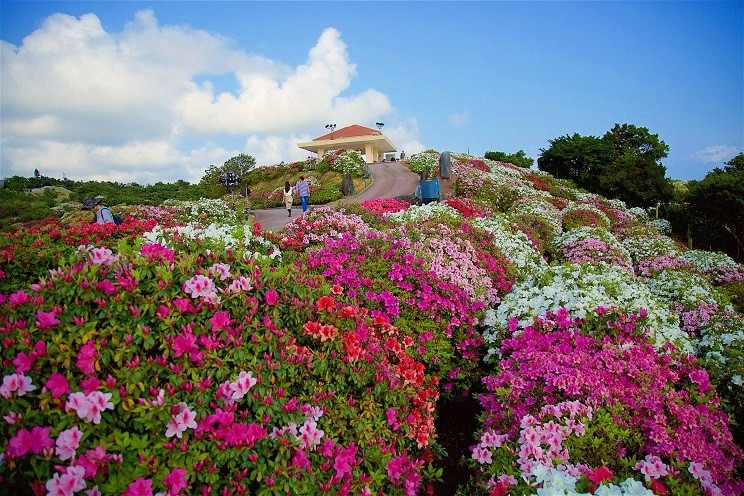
[157, 91]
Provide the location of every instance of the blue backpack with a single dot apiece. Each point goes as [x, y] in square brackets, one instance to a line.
[117, 220]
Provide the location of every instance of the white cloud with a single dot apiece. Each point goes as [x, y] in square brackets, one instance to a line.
[123, 106]
[717, 154]
[460, 119]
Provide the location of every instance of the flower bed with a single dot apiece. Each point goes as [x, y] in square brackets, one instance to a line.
[186, 353]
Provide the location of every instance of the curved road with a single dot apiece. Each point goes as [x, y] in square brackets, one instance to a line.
[389, 179]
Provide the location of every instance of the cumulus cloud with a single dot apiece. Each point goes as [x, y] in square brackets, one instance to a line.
[460, 119]
[717, 154]
[122, 106]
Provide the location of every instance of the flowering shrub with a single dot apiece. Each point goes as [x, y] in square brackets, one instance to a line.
[583, 214]
[684, 288]
[204, 211]
[424, 163]
[513, 243]
[223, 236]
[466, 207]
[420, 213]
[30, 254]
[321, 223]
[581, 288]
[662, 225]
[716, 265]
[180, 369]
[649, 246]
[381, 207]
[591, 245]
[349, 162]
[586, 398]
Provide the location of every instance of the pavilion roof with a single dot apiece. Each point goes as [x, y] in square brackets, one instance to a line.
[349, 132]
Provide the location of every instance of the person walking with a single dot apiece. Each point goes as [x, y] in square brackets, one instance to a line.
[102, 213]
[288, 197]
[303, 191]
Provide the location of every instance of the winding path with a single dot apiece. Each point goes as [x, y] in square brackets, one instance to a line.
[389, 179]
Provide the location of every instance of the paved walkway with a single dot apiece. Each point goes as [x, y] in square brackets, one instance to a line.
[389, 179]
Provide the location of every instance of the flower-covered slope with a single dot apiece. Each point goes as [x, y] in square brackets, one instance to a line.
[183, 354]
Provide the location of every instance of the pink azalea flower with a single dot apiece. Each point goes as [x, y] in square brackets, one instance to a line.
[176, 480]
[701, 378]
[23, 362]
[482, 455]
[220, 320]
[102, 256]
[106, 287]
[199, 286]
[68, 442]
[93, 491]
[16, 383]
[18, 298]
[241, 386]
[140, 487]
[68, 483]
[184, 419]
[86, 357]
[46, 320]
[24, 441]
[652, 467]
[271, 297]
[184, 343]
[309, 434]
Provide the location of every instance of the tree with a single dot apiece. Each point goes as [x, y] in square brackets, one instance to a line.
[240, 165]
[635, 173]
[576, 158]
[519, 159]
[716, 205]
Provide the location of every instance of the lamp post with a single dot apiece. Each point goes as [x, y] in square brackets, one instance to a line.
[332, 127]
[379, 125]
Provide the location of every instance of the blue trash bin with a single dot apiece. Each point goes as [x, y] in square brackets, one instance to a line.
[429, 190]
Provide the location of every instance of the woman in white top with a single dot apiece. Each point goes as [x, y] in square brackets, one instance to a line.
[288, 197]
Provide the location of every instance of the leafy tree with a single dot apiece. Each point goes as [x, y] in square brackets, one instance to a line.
[241, 165]
[576, 158]
[635, 173]
[716, 205]
[519, 159]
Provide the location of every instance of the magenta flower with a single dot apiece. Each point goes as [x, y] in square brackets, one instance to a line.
[106, 287]
[18, 298]
[57, 384]
[23, 362]
[46, 320]
[220, 320]
[140, 487]
[271, 297]
[24, 441]
[86, 357]
[68, 442]
[176, 480]
[701, 378]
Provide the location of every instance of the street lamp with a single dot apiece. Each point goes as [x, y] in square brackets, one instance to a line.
[379, 125]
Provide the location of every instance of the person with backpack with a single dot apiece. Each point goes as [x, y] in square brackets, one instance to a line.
[102, 213]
